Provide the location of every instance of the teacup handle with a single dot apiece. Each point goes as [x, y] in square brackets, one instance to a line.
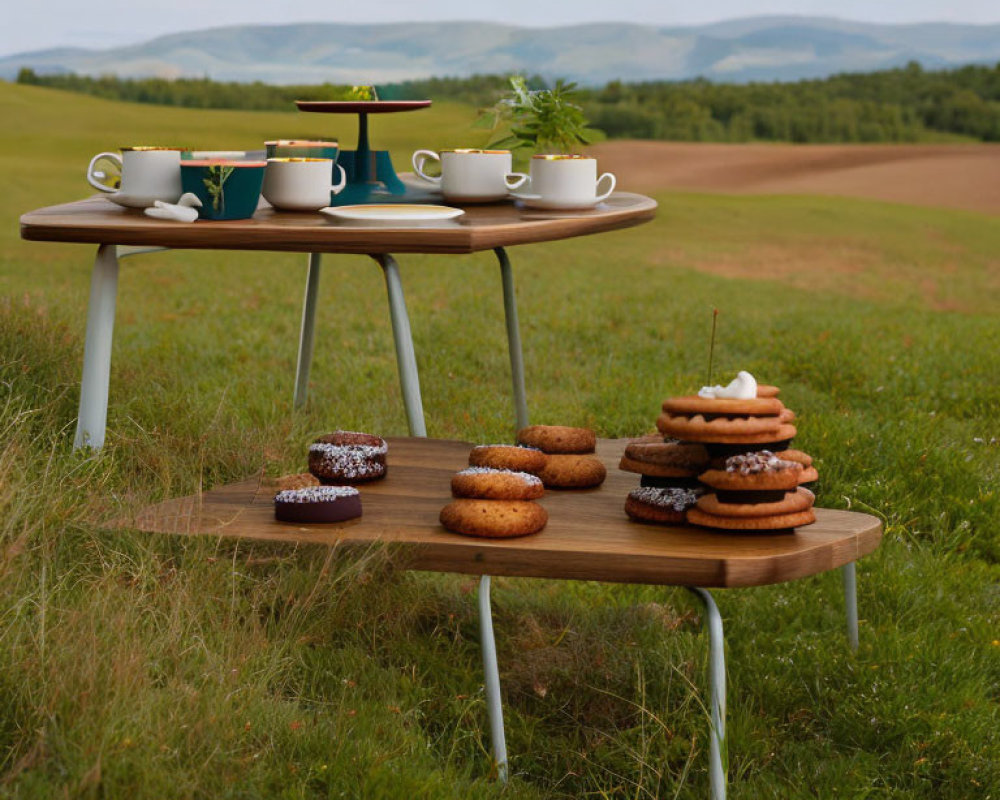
[611, 188]
[419, 159]
[519, 180]
[337, 188]
[92, 175]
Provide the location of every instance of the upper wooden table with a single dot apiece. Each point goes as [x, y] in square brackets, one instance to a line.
[488, 227]
[588, 536]
[97, 220]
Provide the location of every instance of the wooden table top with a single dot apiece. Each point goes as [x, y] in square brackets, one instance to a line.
[97, 220]
[588, 536]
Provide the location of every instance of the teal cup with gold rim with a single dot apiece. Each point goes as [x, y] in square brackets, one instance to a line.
[227, 189]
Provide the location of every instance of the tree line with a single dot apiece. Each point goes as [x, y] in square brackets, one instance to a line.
[908, 104]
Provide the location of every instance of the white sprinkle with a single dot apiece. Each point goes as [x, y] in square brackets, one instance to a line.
[314, 494]
[531, 480]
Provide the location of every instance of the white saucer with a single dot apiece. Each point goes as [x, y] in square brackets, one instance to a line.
[133, 200]
[392, 214]
[537, 201]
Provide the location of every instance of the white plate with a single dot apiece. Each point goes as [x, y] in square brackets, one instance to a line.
[392, 214]
[537, 201]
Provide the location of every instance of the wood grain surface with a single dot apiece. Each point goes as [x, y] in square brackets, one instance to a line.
[97, 220]
[588, 536]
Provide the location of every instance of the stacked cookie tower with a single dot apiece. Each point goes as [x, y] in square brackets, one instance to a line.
[749, 479]
[669, 486]
[494, 503]
[570, 462]
[325, 493]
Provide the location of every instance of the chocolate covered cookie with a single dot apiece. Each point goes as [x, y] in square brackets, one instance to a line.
[317, 504]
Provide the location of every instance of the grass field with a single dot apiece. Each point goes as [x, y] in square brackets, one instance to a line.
[149, 666]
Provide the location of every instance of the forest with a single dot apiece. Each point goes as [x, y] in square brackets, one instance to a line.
[908, 104]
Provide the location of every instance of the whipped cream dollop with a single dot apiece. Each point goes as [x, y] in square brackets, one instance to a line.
[742, 387]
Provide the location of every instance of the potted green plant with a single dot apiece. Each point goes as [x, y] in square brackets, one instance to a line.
[541, 121]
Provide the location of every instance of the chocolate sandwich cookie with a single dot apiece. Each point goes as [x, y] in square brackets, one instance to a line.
[508, 456]
[698, 428]
[567, 471]
[776, 522]
[486, 483]
[317, 504]
[756, 504]
[348, 457]
[493, 519]
[559, 439]
[665, 506]
[761, 470]
[664, 458]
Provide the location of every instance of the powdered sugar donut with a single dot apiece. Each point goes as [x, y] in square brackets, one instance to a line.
[348, 457]
[317, 504]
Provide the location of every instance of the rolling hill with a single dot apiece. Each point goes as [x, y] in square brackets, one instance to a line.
[757, 48]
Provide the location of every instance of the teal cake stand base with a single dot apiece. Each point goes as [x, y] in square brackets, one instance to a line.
[371, 177]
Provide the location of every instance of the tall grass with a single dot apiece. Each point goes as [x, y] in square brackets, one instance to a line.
[158, 666]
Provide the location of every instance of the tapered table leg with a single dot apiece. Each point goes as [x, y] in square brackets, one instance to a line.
[406, 359]
[717, 687]
[93, 414]
[513, 338]
[306, 333]
[494, 708]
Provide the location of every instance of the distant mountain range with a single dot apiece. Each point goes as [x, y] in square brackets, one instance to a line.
[755, 48]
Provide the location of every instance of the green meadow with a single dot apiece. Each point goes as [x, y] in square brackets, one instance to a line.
[147, 666]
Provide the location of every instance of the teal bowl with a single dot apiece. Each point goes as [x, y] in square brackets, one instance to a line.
[302, 148]
[227, 189]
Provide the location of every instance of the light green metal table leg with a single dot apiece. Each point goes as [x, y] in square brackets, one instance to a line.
[513, 338]
[717, 687]
[406, 359]
[306, 332]
[851, 601]
[494, 707]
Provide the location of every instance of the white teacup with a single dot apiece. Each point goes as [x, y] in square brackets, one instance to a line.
[148, 174]
[301, 184]
[568, 181]
[470, 176]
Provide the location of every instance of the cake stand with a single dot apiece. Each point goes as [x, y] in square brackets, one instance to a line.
[370, 174]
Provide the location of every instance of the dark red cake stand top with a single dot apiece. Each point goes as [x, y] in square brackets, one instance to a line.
[360, 106]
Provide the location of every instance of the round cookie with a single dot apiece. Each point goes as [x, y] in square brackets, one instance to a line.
[656, 470]
[778, 439]
[300, 480]
[486, 483]
[664, 506]
[793, 501]
[493, 519]
[568, 471]
[508, 456]
[317, 504]
[558, 439]
[766, 390]
[754, 406]
[348, 457]
[777, 474]
[679, 455]
[697, 428]
[796, 455]
[773, 523]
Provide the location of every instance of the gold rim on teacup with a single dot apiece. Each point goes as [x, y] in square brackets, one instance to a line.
[149, 148]
[468, 150]
[561, 157]
[300, 143]
[295, 159]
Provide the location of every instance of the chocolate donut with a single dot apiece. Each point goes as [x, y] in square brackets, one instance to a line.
[317, 504]
[348, 457]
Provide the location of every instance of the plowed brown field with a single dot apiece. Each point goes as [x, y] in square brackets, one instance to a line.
[955, 176]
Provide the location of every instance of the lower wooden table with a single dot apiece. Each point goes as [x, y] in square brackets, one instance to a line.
[120, 232]
[588, 537]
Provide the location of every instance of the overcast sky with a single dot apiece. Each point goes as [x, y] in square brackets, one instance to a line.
[36, 24]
